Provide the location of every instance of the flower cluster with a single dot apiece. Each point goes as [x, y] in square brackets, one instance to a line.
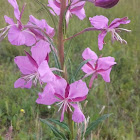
[34, 66]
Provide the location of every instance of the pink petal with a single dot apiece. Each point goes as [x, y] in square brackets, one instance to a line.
[79, 13]
[105, 75]
[49, 30]
[116, 22]
[87, 69]
[24, 65]
[77, 115]
[17, 13]
[13, 3]
[56, 7]
[40, 51]
[46, 75]
[9, 20]
[47, 97]
[76, 3]
[78, 89]
[89, 54]
[59, 86]
[32, 61]
[94, 76]
[78, 99]
[35, 21]
[16, 9]
[16, 36]
[42, 24]
[101, 37]
[29, 38]
[99, 22]
[21, 83]
[105, 63]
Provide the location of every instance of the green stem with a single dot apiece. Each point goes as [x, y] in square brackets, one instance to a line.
[71, 124]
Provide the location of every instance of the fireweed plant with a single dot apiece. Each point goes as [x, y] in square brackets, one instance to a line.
[61, 89]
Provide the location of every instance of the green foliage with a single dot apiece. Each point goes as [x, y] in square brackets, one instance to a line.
[56, 132]
[94, 124]
[79, 68]
[61, 124]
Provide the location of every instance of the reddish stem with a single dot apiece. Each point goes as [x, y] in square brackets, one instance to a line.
[60, 34]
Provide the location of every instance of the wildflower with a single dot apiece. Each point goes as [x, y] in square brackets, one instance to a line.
[34, 67]
[17, 35]
[36, 25]
[101, 23]
[22, 110]
[76, 7]
[66, 95]
[101, 65]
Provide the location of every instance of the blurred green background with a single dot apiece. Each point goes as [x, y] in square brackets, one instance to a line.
[120, 97]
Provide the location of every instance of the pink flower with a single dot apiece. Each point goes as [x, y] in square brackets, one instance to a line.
[66, 95]
[101, 65]
[101, 23]
[40, 24]
[35, 67]
[17, 35]
[76, 8]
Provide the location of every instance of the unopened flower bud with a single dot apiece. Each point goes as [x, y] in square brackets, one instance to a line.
[105, 3]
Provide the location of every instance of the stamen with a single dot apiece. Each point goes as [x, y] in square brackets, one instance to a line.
[62, 103]
[124, 29]
[69, 107]
[119, 38]
[30, 77]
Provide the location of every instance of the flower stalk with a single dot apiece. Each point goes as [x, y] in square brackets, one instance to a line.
[61, 57]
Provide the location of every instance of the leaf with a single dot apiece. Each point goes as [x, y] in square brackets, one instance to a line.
[40, 10]
[61, 124]
[68, 50]
[55, 58]
[54, 53]
[94, 124]
[80, 66]
[56, 132]
[71, 72]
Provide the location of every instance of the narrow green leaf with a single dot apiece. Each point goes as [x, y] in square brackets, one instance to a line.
[56, 132]
[68, 50]
[80, 66]
[54, 53]
[71, 72]
[94, 124]
[61, 124]
[56, 59]
[40, 10]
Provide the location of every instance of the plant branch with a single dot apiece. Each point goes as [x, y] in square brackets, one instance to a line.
[85, 30]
